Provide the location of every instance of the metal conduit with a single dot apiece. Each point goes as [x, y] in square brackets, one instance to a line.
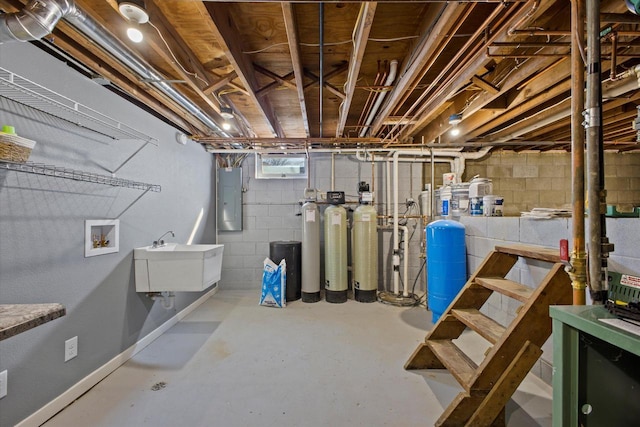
[39, 17]
[321, 80]
[598, 251]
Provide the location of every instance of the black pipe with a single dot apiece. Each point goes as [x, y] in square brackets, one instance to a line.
[321, 62]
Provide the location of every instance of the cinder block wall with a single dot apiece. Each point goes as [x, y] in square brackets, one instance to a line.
[271, 207]
[532, 180]
[483, 234]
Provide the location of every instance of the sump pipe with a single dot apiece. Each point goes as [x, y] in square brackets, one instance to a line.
[39, 17]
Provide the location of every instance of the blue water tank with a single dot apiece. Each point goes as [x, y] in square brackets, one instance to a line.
[446, 264]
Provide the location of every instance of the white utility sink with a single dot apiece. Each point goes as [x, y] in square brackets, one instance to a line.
[176, 267]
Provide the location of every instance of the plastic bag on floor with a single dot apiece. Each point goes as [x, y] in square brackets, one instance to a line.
[274, 281]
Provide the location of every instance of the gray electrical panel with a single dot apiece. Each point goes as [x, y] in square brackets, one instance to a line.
[230, 199]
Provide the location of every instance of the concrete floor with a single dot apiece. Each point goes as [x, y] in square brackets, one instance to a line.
[234, 363]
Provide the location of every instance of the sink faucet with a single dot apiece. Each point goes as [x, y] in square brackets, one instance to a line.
[158, 243]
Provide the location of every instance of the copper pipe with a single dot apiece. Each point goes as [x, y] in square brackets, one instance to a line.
[614, 59]
[525, 18]
[527, 55]
[370, 98]
[458, 59]
[455, 76]
[578, 269]
[443, 44]
[529, 44]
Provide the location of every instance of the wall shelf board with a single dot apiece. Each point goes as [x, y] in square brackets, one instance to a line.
[18, 318]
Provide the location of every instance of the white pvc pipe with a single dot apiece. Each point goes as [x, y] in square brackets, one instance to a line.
[405, 252]
[388, 185]
[393, 68]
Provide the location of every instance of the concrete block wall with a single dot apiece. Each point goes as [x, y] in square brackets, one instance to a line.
[483, 234]
[531, 180]
[271, 207]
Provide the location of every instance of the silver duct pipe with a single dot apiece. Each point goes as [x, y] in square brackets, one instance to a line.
[38, 19]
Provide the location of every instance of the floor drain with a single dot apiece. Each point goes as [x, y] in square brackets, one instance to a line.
[159, 386]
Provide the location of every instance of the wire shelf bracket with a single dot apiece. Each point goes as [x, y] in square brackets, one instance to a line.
[76, 175]
[26, 92]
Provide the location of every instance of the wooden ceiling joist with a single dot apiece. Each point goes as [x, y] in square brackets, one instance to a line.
[360, 37]
[226, 34]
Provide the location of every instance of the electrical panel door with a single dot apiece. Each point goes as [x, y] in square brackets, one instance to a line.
[230, 199]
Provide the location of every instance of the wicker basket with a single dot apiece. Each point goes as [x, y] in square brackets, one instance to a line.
[14, 148]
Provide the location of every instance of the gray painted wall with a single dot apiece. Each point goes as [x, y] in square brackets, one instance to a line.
[42, 232]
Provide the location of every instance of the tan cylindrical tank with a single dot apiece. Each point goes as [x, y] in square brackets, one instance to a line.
[335, 254]
[365, 254]
[310, 252]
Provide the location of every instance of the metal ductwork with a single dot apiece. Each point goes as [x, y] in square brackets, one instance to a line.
[35, 21]
[38, 19]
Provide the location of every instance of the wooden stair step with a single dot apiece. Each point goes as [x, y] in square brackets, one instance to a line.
[455, 360]
[531, 252]
[506, 287]
[488, 328]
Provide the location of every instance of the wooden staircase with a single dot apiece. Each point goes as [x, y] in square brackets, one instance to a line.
[515, 348]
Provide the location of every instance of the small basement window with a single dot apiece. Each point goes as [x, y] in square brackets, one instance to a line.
[281, 166]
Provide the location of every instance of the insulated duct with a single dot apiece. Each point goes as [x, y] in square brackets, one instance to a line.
[39, 17]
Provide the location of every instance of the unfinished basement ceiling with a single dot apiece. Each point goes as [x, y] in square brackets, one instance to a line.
[503, 65]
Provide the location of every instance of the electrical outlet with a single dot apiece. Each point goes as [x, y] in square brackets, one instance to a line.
[3, 383]
[70, 348]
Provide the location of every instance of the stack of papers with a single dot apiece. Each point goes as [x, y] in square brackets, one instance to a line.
[546, 213]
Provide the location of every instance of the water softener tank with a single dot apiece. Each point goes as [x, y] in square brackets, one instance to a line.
[365, 254]
[446, 264]
[335, 254]
[310, 252]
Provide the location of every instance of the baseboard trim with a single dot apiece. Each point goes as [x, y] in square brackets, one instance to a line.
[59, 403]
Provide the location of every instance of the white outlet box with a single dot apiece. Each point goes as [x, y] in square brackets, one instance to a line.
[3, 384]
[70, 348]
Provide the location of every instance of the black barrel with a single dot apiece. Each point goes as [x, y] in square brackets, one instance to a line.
[290, 251]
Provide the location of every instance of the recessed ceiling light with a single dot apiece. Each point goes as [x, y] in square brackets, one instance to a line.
[133, 10]
[226, 112]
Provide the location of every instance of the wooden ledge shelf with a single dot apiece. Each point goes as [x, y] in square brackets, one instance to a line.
[18, 318]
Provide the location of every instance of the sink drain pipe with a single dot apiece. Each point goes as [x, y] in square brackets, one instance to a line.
[168, 298]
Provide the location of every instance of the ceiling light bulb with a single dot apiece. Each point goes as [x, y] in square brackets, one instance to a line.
[226, 126]
[455, 132]
[134, 34]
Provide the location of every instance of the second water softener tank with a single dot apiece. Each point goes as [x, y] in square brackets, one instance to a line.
[310, 252]
[335, 254]
[446, 264]
[365, 254]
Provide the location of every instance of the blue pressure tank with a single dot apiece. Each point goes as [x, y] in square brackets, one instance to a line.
[446, 264]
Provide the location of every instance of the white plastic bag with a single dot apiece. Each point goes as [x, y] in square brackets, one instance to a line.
[274, 282]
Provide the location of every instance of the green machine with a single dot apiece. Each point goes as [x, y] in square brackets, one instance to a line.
[624, 295]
